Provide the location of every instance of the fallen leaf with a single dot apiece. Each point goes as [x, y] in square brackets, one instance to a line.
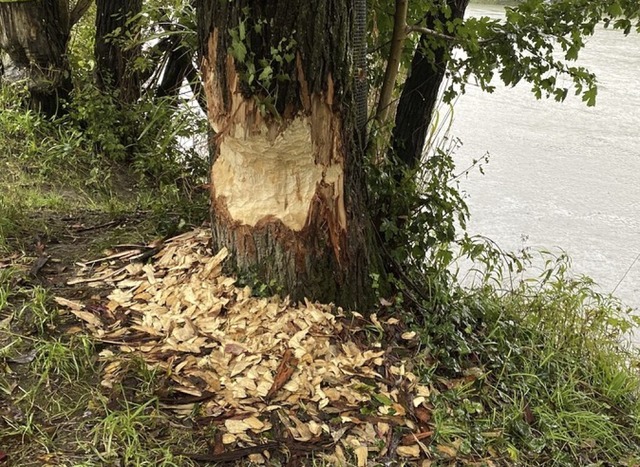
[24, 358]
[87, 317]
[408, 451]
[228, 438]
[362, 453]
[412, 438]
[283, 373]
[422, 414]
[447, 450]
[236, 426]
[71, 304]
[234, 348]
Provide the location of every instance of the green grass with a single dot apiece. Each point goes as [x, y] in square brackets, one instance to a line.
[54, 408]
[543, 380]
[550, 378]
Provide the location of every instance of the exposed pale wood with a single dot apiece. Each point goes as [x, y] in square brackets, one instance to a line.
[288, 194]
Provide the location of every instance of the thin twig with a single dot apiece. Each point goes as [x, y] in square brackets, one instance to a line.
[429, 32]
[625, 274]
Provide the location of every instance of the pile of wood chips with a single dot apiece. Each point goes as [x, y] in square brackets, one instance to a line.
[255, 365]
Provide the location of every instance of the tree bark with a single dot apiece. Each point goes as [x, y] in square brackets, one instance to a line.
[420, 91]
[288, 193]
[33, 43]
[179, 65]
[115, 49]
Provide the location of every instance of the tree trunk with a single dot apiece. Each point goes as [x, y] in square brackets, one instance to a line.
[180, 66]
[288, 193]
[420, 91]
[115, 49]
[33, 43]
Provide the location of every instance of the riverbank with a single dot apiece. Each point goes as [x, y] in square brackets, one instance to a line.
[535, 375]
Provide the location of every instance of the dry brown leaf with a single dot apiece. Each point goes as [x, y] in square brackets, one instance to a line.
[422, 414]
[236, 426]
[183, 316]
[447, 450]
[409, 451]
[362, 453]
[283, 373]
[87, 317]
[409, 335]
[228, 438]
[413, 438]
[71, 304]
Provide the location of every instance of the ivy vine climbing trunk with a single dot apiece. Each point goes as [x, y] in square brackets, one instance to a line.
[33, 43]
[420, 91]
[116, 48]
[288, 192]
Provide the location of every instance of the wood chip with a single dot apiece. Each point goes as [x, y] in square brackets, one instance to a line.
[245, 358]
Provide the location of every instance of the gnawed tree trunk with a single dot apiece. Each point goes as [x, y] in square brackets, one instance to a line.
[115, 49]
[420, 91]
[33, 43]
[288, 195]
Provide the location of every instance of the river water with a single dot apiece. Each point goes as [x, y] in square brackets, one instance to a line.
[561, 174]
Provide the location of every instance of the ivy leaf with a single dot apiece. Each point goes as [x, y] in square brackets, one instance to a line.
[239, 51]
[266, 74]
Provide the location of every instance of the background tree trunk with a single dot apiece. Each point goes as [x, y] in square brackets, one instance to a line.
[179, 65]
[420, 91]
[115, 49]
[33, 43]
[288, 194]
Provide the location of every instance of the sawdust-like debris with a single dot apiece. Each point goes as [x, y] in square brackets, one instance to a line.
[258, 361]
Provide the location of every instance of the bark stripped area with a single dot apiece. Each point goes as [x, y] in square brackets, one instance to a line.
[286, 183]
[33, 42]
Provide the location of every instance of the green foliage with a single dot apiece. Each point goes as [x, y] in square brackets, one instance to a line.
[523, 371]
[536, 43]
[144, 152]
[418, 211]
[526, 366]
[261, 74]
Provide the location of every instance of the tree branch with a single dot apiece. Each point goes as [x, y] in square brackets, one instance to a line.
[78, 11]
[429, 32]
[393, 63]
